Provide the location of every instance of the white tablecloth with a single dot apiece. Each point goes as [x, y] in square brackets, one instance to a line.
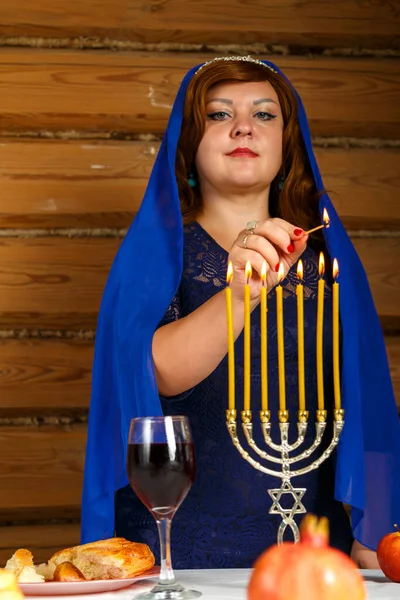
[230, 584]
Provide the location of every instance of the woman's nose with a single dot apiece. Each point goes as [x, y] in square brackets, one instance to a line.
[243, 132]
[242, 128]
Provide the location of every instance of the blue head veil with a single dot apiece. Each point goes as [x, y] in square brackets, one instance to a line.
[141, 284]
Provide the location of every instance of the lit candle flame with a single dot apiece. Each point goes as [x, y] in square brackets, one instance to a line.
[321, 266]
[264, 272]
[229, 273]
[300, 269]
[281, 272]
[335, 268]
[248, 271]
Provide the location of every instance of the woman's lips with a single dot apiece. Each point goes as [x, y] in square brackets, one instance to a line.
[243, 152]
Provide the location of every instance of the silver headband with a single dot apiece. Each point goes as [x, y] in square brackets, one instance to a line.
[235, 59]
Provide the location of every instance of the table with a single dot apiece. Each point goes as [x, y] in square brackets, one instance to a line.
[230, 584]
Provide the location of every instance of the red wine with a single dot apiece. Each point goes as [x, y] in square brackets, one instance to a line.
[161, 475]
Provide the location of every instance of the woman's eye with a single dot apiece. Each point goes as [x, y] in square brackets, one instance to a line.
[265, 116]
[219, 115]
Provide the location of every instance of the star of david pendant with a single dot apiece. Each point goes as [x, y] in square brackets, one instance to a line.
[287, 514]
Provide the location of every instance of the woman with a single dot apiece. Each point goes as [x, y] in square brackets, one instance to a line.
[243, 156]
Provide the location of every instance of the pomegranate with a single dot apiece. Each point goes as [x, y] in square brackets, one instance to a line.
[310, 569]
[388, 553]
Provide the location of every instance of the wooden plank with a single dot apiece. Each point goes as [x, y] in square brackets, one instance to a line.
[50, 183]
[41, 376]
[363, 184]
[342, 23]
[41, 471]
[393, 351]
[37, 375]
[57, 282]
[381, 259]
[53, 282]
[42, 540]
[133, 92]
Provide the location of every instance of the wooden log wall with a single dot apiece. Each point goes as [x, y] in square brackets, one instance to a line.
[85, 92]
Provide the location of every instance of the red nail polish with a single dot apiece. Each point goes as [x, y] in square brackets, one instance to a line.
[298, 231]
[277, 267]
[290, 248]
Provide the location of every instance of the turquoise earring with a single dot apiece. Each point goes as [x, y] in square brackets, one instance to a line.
[191, 181]
[281, 183]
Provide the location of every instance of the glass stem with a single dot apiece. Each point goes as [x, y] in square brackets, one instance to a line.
[164, 529]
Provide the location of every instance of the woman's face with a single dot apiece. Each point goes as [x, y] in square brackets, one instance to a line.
[241, 148]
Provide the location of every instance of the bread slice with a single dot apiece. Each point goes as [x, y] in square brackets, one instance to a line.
[107, 559]
[9, 589]
[66, 571]
[21, 564]
[45, 571]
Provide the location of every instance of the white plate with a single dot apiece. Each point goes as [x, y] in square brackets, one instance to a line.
[67, 588]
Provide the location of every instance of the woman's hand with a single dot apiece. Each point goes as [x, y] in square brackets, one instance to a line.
[273, 241]
[364, 557]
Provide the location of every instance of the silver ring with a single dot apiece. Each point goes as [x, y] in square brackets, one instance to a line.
[250, 227]
[245, 241]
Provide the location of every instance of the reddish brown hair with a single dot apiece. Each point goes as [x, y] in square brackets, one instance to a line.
[297, 202]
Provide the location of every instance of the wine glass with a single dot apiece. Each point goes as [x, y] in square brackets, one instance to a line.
[161, 469]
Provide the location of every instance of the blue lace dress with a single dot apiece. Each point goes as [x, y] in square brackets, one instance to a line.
[224, 522]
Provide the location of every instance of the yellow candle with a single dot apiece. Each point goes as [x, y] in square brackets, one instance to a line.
[281, 347]
[300, 337]
[231, 340]
[320, 333]
[246, 405]
[336, 355]
[264, 348]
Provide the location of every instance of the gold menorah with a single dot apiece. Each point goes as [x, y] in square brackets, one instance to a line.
[280, 465]
[285, 460]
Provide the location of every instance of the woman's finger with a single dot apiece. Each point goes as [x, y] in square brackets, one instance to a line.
[277, 235]
[240, 258]
[294, 232]
[259, 244]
